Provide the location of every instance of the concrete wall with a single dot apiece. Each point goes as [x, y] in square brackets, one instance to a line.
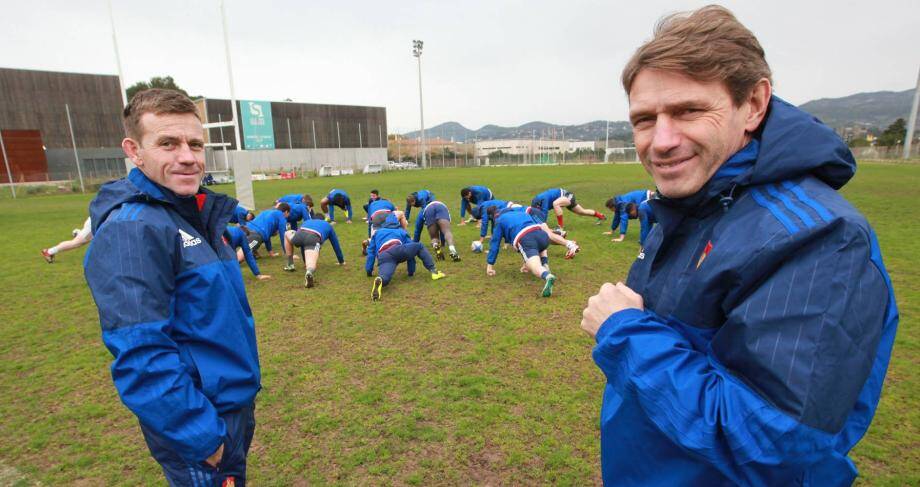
[299, 159]
[97, 164]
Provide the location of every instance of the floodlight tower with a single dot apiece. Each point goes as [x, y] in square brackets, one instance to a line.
[417, 52]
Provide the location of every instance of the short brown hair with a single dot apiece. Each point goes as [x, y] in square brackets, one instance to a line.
[157, 101]
[707, 44]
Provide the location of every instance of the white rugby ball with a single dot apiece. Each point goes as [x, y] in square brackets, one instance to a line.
[476, 246]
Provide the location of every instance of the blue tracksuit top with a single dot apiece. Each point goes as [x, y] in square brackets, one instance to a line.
[239, 215]
[377, 205]
[477, 196]
[646, 220]
[481, 213]
[237, 240]
[298, 212]
[767, 330]
[326, 232]
[291, 199]
[346, 205]
[547, 197]
[538, 214]
[269, 223]
[390, 230]
[507, 225]
[173, 311]
[638, 197]
[422, 198]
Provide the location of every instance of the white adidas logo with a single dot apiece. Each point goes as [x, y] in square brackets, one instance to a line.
[188, 240]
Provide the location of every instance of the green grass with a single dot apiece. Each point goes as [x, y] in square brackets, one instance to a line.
[467, 380]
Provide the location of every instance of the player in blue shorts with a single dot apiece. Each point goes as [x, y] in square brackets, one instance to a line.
[555, 199]
[391, 246]
[436, 218]
[339, 198]
[528, 237]
[236, 238]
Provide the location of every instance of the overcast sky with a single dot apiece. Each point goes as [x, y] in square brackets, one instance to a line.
[493, 61]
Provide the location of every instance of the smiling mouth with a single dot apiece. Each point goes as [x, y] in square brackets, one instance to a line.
[669, 165]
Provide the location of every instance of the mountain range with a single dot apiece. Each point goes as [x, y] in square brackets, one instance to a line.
[872, 111]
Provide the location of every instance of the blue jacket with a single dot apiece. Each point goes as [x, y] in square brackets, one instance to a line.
[326, 232]
[646, 220]
[481, 213]
[346, 204]
[298, 212]
[173, 311]
[422, 198]
[291, 199]
[377, 205]
[390, 230]
[478, 195]
[768, 324]
[621, 218]
[545, 199]
[538, 214]
[507, 225]
[269, 223]
[239, 215]
[237, 240]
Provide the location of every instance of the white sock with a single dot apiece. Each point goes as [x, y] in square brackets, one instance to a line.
[53, 250]
[453, 250]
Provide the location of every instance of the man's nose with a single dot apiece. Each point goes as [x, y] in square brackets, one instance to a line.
[186, 155]
[666, 136]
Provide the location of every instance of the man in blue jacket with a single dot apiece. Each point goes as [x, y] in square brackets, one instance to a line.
[299, 212]
[236, 237]
[241, 215]
[268, 224]
[336, 197]
[391, 246]
[158, 268]
[473, 195]
[418, 199]
[310, 238]
[750, 342]
[621, 217]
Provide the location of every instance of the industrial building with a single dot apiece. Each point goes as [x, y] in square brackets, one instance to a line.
[38, 140]
[531, 146]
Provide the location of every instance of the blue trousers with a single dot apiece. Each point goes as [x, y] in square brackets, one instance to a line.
[241, 425]
[407, 253]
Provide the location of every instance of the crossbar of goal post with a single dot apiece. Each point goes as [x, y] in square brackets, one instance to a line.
[242, 175]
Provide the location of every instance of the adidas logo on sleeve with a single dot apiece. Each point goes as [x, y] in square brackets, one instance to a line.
[188, 240]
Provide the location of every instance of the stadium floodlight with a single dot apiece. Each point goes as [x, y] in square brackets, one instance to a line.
[417, 52]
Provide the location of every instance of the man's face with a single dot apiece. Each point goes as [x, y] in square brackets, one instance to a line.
[374, 196]
[170, 152]
[684, 129]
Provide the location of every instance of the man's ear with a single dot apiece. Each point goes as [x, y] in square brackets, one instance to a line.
[758, 101]
[131, 148]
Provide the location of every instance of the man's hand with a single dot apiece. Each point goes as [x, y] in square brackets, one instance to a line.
[342, 263]
[490, 271]
[215, 457]
[348, 222]
[609, 232]
[462, 222]
[263, 277]
[609, 300]
[621, 238]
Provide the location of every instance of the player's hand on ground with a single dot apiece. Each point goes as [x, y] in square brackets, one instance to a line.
[609, 300]
[609, 232]
[341, 263]
[263, 277]
[490, 271]
[462, 222]
[619, 239]
[273, 254]
[348, 222]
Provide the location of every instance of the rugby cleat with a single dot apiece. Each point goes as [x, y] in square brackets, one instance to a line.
[438, 251]
[289, 268]
[548, 286]
[454, 256]
[559, 231]
[377, 290]
[49, 258]
[600, 219]
[437, 275]
[308, 280]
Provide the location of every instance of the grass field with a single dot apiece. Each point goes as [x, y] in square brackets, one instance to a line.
[467, 380]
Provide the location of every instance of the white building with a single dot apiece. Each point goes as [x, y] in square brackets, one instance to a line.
[531, 146]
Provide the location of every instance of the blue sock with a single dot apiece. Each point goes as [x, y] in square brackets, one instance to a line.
[543, 276]
[544, 260]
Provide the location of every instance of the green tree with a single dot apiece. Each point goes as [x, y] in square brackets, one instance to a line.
[894, 134]
[166, 82]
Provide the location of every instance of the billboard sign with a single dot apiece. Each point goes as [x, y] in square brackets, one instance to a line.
[258, 131]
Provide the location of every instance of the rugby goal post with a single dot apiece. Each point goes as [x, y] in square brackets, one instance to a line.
[242, 171]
